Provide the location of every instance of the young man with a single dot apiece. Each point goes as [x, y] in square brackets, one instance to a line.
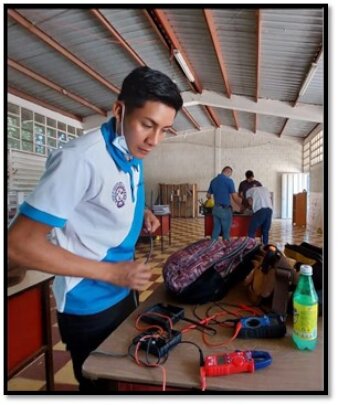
[260, 200]
[223, 189]
[82, 221]
[245, 185]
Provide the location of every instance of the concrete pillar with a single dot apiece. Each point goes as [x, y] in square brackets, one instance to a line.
[217, 150]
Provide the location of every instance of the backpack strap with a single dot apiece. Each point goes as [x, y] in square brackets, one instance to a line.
[283, 273]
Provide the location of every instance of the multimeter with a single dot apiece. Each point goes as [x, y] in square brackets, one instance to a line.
[266, 326]
[233, 363]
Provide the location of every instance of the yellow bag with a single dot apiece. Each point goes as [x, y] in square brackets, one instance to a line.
[209, 203]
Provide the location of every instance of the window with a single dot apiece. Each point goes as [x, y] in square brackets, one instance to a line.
[306, 157]
[33, 132]
[313, 151]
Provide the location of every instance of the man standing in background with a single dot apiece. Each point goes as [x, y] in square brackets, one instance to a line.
[245, 185]
[222, 188]
[260, 200]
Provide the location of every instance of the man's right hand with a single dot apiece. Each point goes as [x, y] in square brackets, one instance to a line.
[135, 275]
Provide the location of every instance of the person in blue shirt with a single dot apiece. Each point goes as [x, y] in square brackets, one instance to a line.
[82, 221]
[222, 188]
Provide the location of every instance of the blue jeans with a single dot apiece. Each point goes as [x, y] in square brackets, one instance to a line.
[222, 222]
[261, 218]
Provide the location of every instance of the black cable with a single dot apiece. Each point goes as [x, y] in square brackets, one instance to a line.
[211, 321]
[150, 249]
[135, 298]
[215, 321]
[147, 363]
[199, 349]
[194, 311]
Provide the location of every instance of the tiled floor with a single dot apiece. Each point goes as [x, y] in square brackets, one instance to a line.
[184, 231]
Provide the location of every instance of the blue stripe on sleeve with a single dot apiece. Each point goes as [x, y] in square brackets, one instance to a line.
[41, 216]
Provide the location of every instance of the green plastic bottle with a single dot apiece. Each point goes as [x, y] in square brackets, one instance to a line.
[305, 311]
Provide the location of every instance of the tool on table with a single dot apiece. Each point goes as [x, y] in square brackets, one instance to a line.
[150, 252]
[166, 315]
[233, 363]
[265, 326]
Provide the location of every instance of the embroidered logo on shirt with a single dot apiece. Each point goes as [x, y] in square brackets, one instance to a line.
[119, 194]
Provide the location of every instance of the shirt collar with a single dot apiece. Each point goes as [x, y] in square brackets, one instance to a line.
[117, 147]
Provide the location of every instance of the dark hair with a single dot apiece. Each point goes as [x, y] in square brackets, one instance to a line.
[249, 173]
[226, 167]
[145, 84]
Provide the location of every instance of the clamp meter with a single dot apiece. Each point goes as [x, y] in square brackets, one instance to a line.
[233, 363]
[225, 364]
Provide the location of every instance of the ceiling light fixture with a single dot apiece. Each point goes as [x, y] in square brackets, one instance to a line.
[308, 78]
[184, 66]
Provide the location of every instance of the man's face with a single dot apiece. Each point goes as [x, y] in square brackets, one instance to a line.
[228, 172]
[145, 127]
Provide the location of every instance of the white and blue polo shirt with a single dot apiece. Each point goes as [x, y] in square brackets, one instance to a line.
[92, 194]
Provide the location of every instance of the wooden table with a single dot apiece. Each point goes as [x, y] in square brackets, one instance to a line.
[29, 329]
[291, 370]
[239, 227]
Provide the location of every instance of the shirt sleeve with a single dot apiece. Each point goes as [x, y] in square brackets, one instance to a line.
[232, 187]
[62, 186]
[210, 189]
[249, 192]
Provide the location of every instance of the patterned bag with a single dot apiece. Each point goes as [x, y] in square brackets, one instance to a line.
[205, 270]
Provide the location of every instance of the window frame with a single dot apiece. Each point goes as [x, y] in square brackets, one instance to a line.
[46, 124]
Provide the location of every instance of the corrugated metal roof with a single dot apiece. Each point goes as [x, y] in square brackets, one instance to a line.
[315, 91]
[192, 32]
[246, 120]
[225, 117]
[298, 128]
[182, 123]
[290, 40]
[43, 93]
[199, 115]
[269, 123]
[136, 30]
[78, 30]
[42, 59]
[236, 29]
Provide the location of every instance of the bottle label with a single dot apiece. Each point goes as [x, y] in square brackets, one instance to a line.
[305, 321]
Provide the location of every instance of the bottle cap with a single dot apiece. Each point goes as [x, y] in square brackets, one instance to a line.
[306, 270]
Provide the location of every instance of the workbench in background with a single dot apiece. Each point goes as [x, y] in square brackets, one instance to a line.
[239, 227]
[29, 329]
